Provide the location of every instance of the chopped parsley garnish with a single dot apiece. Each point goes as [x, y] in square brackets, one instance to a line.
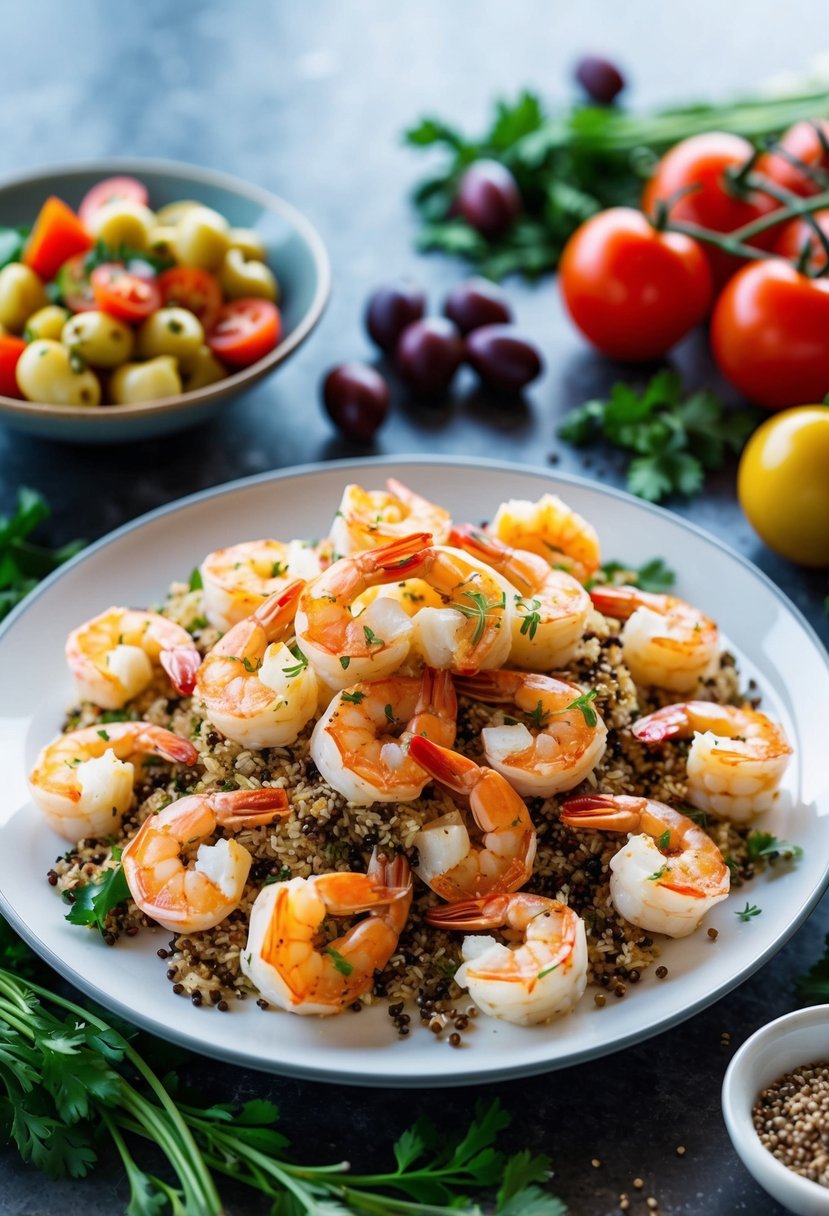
[341, 964]
[197, 624]
[389, 712]
[248, 666]
[94, 900]
[196, 582]
[539, 716]
[654, 575]
[278, 569]
[657, 874]
[748, 911]
[22, 563]
[765, 846]
[531, 615]
[479, 609]
[103, 735]
[664, 840]
[371, 637]
[344, 661]
[354, 697]
[300, 665]
[547, 971]
[283, 876]
[582, 704]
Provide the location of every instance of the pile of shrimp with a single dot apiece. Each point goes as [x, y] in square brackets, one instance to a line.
[335, 764]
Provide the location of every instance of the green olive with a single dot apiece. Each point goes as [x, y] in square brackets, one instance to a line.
[123, 222]
[47, 322]
[240, 279]
[249, 243]
[204, 369]
[202, 238]
[48, 371]
[21, 294]
[99, 338]
[149, 381]
[170, 331]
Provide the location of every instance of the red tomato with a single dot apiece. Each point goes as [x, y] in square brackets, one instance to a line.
[74, 285]
[130, 297]
[802, 142]
[10, 351]
[56, 236]
[194, 289]
[632, 291]
[703, 161]
[246, 330]
[799, 233]
[112, 189]
[770, 334]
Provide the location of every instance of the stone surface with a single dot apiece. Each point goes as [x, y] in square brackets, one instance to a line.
[309, 100]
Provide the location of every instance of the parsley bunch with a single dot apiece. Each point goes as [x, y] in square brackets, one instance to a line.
[676, 438]
[22, 563]
[569, 165]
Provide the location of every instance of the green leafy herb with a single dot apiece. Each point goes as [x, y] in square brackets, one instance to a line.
[284, 874]
[539, 716]
[583, 704]
[568, 165]
[547, 971]
[654, 575]
[814, 985]
[95, 900]
[664, 840]
[389, 712]
[251, 665]
[657, 874]
[196, 582]
[340, 964]
[371, 637]
[103, 254]
[675, 438]
[12, 242]
[344, 661]
[22, 563]
[529, 611]
[354, 697]
[278, 569]
[479, 609]
[766, 847]
[300, 665]
[748, 911]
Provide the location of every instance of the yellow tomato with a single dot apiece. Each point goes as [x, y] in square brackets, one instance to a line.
[783, 483]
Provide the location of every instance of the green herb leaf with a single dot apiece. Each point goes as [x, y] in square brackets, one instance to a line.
[532, 617]
[664, 840]
[583, 704]
[196, 582]
[341, 964]
[765, 846]
[389, 712]
[479, 609]
[657, 874]
[23, 564]
[354, 697]
[814, 985]
[748, 911]
[94, 900]
[344, 661]
[12, 243]
[371, 637]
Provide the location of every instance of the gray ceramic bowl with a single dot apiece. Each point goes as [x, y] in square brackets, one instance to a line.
[295, 253]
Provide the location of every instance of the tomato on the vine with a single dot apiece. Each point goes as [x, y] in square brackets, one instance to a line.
[701, 167]
[783, 484]
[807, 142]
[634, 292]
[770, 334]
[798, 234]
[246, 330]
[127, 296]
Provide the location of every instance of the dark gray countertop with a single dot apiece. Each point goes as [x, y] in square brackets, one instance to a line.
[310, 101]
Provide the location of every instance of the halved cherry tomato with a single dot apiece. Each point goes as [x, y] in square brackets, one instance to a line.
[10, 351]
[56, 236]
[702, 162]
[769, 334]
[801, 142]
[195, 289]
[123, 294]
[799, 233]
[245, 331]
[110, 190]
[632, 291]
[74, 285]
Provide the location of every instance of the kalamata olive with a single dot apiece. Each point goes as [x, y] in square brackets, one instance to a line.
[502, 358]
[488, 198]
[390, 309]
[429, 353]
[475, 303]
[601, 80]
[357, 399]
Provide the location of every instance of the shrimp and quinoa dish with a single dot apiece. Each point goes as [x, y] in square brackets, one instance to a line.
[444, 764]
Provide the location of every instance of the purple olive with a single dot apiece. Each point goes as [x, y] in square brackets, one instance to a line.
[488, 198]
[601, 80]
[502, 358]
[475, 303]
[390, 309]
[429, 353]
[357, 399]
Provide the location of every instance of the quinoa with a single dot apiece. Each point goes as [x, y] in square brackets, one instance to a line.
[324, 833]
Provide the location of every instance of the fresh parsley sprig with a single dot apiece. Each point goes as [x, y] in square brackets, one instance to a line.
[764, 846]
[92, 902]
[653, 575]
[676, 438]
[22, 563]
[478, 610]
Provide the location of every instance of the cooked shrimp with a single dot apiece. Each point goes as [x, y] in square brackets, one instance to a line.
[551, 607]
[551, 529]
[287, 960]
[112, 656]
[186, 900]
[539, 980]
[665, 641]
[255, 689]
[83, 781]
[239, 579]
[367, 519]
[737, 758]
[473, 629]
[559, 745]
[666, 878]
[343, 647]
[356, 744]
[447, 860]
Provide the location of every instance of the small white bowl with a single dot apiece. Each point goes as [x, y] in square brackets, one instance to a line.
[795, 1039]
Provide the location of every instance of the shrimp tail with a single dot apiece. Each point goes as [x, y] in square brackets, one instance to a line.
[618, 602]
[279, 609]
[394, 873]
[491, 686]
[478, 543]
[489, 912]
[446, 766]
[404, 555]
[181, 664]
[248, 808]
[158, 741]
[409, 497]
[437, 693]
[614, 813]
[385, 882]
[671, 722]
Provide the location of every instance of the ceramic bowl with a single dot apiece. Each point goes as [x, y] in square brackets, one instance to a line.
[295, 253]
[795, 1039]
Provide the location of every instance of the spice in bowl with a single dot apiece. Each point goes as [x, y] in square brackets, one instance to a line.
[792, 1120]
